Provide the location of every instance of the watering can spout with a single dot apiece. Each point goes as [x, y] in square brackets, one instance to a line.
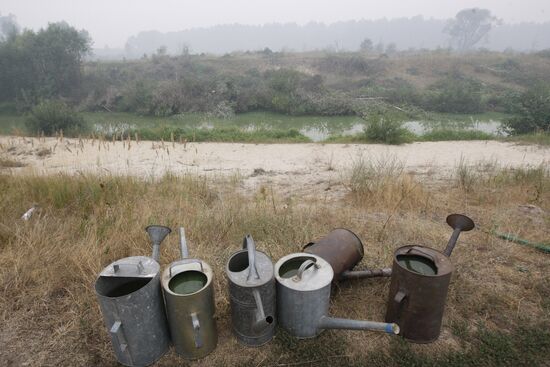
[261, 321]
[157, 235]
[250, 246]
[459, 223]
[337, 323]
[360, 274]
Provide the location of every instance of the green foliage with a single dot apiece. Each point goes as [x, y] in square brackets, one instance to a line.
[533, 111]
[450, 134]
[455, 94]
[228, 134]
[383, 129]
[43, 64]
[53, 116]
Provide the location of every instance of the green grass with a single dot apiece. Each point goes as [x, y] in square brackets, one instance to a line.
[409, 137]
[535, 138]
[190, 120]
[523, 347]
[12, 124]
[267, 127]
[222, 134]
[449, 134]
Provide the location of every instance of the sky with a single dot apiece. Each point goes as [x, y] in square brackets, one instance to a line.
[111, 22]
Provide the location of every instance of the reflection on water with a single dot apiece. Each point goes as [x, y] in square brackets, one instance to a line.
[320, 133]
[422, 127]
[315, 128]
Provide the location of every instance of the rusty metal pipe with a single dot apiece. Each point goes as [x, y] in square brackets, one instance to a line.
[360, 274]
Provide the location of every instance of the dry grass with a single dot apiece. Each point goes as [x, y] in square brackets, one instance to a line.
[10, 163]
[49, 315]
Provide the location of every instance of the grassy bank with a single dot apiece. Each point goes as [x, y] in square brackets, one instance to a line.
[497, 309]
[258, 127]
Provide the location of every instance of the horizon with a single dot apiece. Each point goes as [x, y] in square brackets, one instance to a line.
[111, 24]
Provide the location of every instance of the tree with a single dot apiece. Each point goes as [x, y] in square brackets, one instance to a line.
[469, 27]
[366, 45]
[43, 64]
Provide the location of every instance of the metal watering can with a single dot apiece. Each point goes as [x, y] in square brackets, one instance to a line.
[303, 298]
[343, 249]
[189, 296]
[419, 283]
[128, 291]
[252, 294]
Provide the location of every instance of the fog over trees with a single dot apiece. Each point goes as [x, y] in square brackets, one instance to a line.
[404, 33]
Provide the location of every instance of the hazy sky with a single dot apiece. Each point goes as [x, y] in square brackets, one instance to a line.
[111, 22]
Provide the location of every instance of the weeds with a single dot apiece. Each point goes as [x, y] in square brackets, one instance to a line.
[386, 130]
[447, 134]
[495, 314]
[10, 163]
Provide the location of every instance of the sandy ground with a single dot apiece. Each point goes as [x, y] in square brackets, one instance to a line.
[292, 168]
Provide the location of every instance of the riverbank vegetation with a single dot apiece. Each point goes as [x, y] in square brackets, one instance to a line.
[412, 85]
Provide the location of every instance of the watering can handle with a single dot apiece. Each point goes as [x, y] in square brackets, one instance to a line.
[139, 265]
[196, 330]
[399, 299]
[250, 246]
[306, 264]
[118, 335]
[185, 262]
[416, 250]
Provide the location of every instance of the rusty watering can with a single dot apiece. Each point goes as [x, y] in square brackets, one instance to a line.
[343, 249]
[129, 294]
[419, 284]
[189, 296]
[252, 294]
[303, 298]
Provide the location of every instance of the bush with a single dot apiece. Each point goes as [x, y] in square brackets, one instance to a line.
[386, 130]
[533, 111]
[454, 94]
[53, 116]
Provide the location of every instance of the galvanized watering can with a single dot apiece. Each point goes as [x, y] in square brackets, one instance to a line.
[303, 297]
[343, 249]
[189, 296]
[128, 291]
[252, 294]
[419, 283]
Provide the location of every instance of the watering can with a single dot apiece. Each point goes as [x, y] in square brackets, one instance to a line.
[303, 298]
[252, 294]
[130, 298]
[343, 249]
[189, 296]
[419, 284]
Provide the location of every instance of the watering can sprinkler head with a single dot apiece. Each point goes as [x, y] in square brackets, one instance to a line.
[458, 223]
[157, 235]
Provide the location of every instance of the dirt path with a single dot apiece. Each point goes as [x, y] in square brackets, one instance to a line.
[293, 168]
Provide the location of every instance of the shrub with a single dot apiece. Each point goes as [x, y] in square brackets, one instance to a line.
[533, 111]
[52, 116]
[386, 130]
[455, 94]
